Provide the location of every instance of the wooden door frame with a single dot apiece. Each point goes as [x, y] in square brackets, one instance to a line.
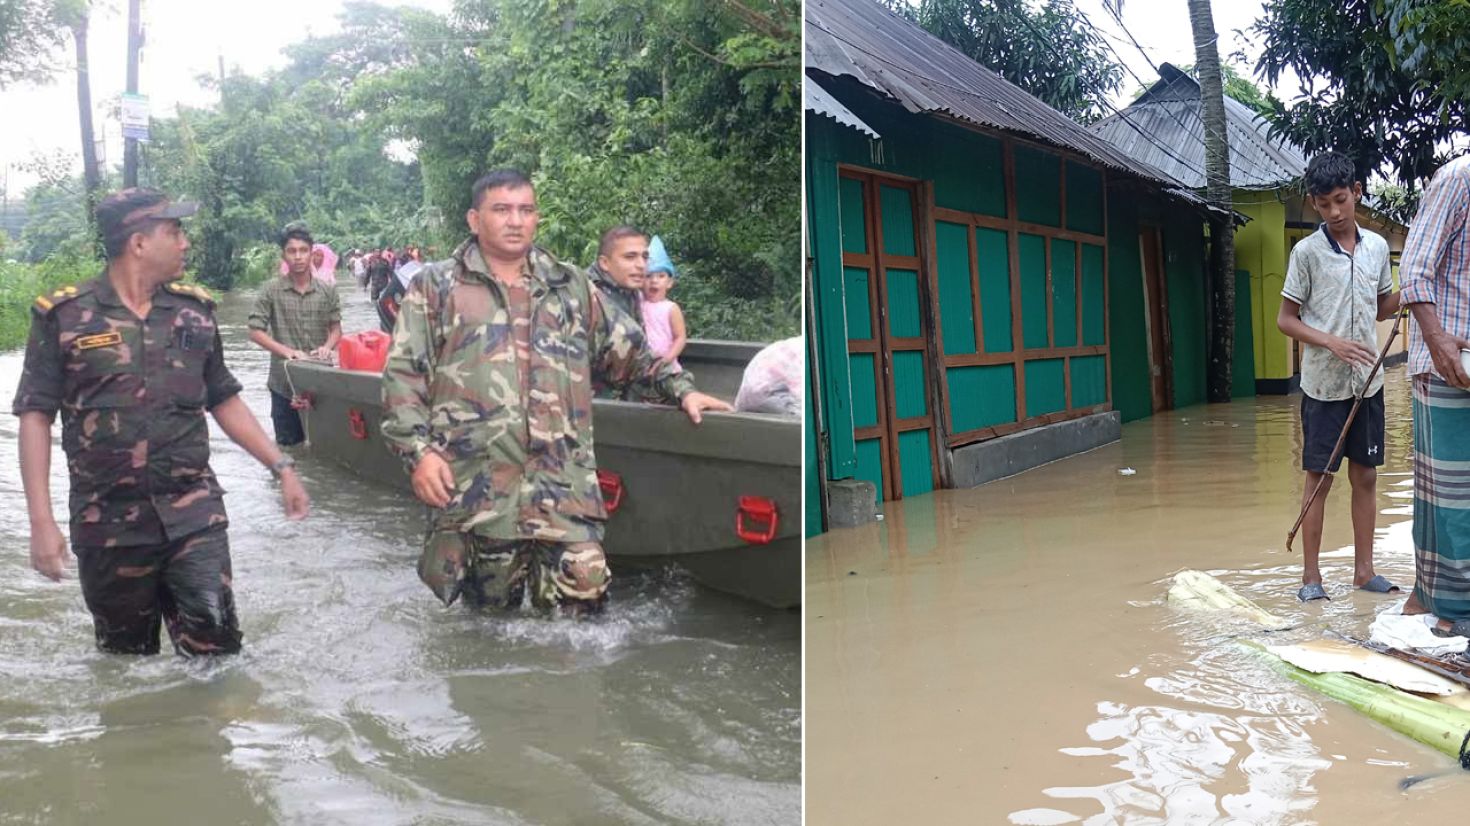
[1157, 302]
[883, 345]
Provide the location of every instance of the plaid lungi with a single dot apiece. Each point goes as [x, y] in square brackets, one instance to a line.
[1442, 497]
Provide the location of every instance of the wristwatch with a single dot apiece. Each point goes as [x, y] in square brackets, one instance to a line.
[281, 464]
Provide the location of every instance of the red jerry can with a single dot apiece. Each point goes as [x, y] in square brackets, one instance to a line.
[367, 351]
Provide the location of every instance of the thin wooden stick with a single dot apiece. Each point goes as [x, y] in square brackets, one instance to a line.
[1342, 437]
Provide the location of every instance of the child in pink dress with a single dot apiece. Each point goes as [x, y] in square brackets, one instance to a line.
[663, 321]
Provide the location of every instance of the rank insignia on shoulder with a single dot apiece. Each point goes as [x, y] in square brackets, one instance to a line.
[100, 340]
[60, 295]
[191, 290]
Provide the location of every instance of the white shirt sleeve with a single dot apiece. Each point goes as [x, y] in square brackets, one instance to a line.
[1298, 285]
[1385, 275]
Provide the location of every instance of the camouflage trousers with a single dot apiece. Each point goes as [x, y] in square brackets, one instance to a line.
[572, 577]
[183, 586]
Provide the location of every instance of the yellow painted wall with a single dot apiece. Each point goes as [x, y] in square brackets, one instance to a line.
[1261, 249]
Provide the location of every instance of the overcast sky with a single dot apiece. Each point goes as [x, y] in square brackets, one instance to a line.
[185, 39]
[1162, 28]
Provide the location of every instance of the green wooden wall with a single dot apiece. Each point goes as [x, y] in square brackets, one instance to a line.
[1132, 390]
[812, 494]
[966, 170]
[1184, 250]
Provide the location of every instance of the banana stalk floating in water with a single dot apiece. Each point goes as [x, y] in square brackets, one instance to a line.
[1441, 723]
[1200, 591]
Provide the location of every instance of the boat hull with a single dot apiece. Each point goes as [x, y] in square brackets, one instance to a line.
[681, 484]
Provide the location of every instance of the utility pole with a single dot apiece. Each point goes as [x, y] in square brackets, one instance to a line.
[135, 43]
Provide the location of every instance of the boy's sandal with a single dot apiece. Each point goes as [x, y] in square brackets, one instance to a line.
[1311, 591]
[1379, 585]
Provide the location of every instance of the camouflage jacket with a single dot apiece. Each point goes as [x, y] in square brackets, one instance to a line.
[627, 298]
[506, 396]
[629, 301]
[132, 395]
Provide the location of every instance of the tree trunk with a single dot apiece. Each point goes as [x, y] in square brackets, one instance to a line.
[90, 173]
[1217, 178]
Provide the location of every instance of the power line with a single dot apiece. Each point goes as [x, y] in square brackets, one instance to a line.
[1249, 134]
[1203, 125]
[1043, 39]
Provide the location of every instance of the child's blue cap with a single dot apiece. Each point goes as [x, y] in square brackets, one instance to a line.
[658, 258]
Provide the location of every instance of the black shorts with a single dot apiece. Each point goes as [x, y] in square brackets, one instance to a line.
[286, 420]
[183, 585]
[1322, 425]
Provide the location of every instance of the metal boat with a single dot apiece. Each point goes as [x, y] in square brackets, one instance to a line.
[721, 499]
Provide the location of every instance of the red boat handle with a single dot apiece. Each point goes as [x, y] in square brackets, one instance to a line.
[356, 424]
[757, 509]
[611, 485]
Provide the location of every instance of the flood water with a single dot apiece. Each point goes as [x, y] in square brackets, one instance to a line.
[360, 700]
[1004, 654]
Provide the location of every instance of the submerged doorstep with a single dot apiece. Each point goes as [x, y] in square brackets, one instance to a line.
[1008, 455]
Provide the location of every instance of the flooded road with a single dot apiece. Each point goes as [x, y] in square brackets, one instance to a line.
[1004, 654]
[360, 700]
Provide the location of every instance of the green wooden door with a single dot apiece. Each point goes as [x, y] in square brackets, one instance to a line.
[885, 293]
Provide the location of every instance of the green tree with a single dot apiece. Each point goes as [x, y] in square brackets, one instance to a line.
[1046, 48]
[1395, 200]
[31, 35]
[283, 148]
[55, 220]
[679, 117]
[1385, 81]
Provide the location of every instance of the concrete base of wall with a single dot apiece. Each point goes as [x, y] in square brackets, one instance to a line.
[1278, 387]
[998, 458]
[851, 502]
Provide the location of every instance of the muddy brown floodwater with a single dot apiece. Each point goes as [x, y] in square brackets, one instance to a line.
[1004, 654]
[359, 700]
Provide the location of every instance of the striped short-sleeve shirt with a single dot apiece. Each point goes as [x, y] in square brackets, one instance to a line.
[1435, 268]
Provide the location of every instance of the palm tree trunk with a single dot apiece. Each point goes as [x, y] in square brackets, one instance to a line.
[90, 173]
[1217, 189]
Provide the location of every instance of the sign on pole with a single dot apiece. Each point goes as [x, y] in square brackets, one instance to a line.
[135, 116]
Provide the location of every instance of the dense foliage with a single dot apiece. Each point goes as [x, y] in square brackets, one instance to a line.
[1047, 48]
[677, 116]
[31, 34]
[1384, 80]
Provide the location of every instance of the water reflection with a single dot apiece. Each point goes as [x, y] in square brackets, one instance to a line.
[1004, 654]
[360, 700]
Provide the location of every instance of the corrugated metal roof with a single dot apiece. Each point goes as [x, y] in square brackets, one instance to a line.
[816, 99]
[1169, 114]
[862, 40]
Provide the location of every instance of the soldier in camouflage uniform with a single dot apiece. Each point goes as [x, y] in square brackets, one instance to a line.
[488, 398]
[622, 263]
[132, 360]
[618, 273]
